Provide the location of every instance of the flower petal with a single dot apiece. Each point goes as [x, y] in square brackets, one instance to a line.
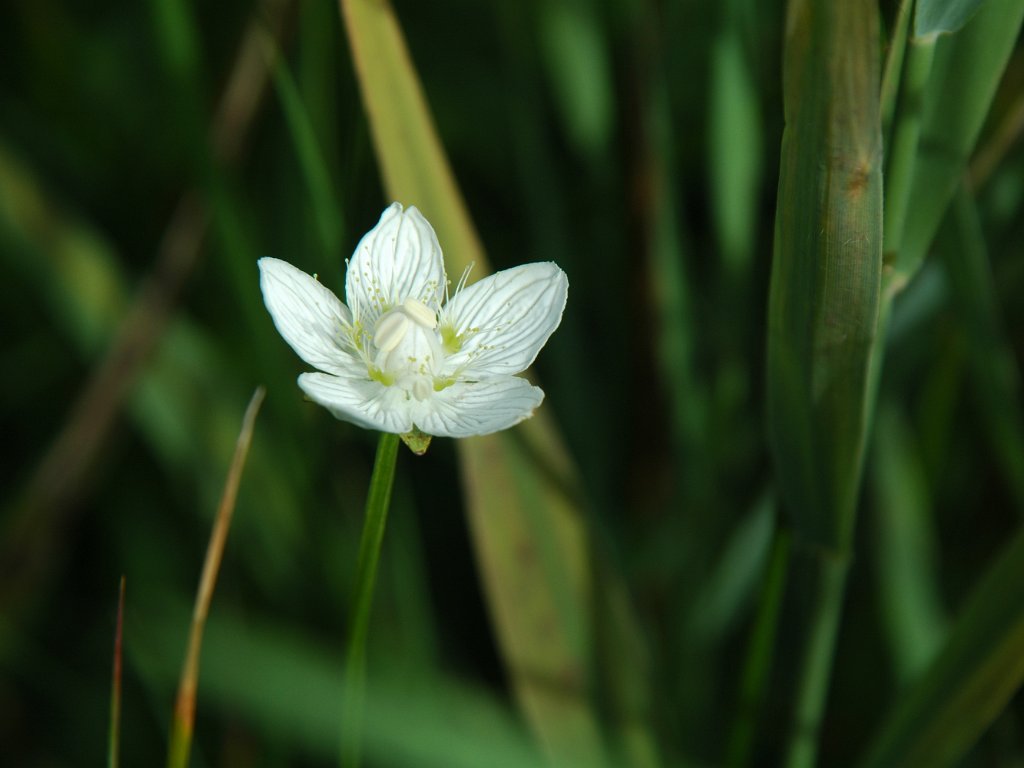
[502, 322]
[309, 317]
[365, 403]
[477, 408]
[398, 259]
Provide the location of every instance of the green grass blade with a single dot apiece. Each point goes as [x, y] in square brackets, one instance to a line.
[965, 73]
[578, 66]
[735, 132]
[997, 379]
[935, 17]
[760, 648]
[894, 63]
[822, 316]
[327, 211]
[529, 538]
[903, 149]
[905, 550]
[976, 673]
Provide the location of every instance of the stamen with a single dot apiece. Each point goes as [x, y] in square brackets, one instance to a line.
[421, 389]
[391, 329]
[420, 312]
[462, 280]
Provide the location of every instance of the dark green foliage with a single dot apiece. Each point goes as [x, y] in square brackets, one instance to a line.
[638, 144]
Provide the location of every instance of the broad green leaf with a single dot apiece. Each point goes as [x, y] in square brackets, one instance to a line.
[935, 17]
[529, 536]
[824, 295]
[980, 667]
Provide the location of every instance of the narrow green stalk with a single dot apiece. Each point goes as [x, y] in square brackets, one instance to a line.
[757, 665]
[377, 503]
[820, 610]
[902, 156]
[894, 63]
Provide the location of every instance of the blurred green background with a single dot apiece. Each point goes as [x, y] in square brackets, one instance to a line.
[151, 152]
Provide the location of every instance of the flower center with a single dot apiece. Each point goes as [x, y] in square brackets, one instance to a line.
[408, 352]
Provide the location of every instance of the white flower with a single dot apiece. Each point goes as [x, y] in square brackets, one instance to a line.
[397, 359]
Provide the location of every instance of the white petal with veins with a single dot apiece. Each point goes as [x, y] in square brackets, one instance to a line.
[502, 321]
[308, 316]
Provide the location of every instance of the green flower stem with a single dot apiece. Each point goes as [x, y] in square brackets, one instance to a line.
[377, 503]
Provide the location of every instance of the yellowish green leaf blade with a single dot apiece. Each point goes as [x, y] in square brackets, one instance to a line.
[978, 670]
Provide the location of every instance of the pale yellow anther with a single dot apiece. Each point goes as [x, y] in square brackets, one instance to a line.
[390, 330]
[420, 312]
[421, 389]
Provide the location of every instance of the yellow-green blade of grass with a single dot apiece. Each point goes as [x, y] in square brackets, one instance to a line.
[824, 295]
[529, 537]
[183, 721]
[965, 72]
[977, 671]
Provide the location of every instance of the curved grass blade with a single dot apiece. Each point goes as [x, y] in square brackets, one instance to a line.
[997, 378]
[905, 549]
[978, 670]
[327, 212]
[965, 72]
[734, 128]
[185, 706]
